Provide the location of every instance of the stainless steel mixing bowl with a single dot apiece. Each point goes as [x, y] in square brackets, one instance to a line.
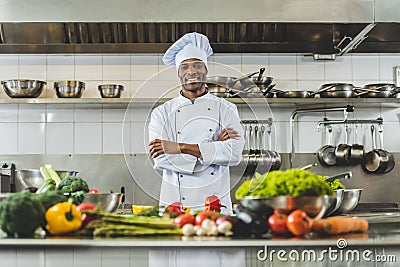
[314, 206]
[110, 90]
[351, 197]
[33, 177]
[104, 201]
[23, 88]
[69, 89]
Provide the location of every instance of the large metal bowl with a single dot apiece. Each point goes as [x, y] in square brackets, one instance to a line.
[69, 89]
[351, 197]
[104, 201]
[334, 202]
[23, 88]
[33, 177]
[314, 206]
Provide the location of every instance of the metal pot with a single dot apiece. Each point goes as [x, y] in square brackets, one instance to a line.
[326, 154]
[356, 154]
[342, 151]
[377, 160]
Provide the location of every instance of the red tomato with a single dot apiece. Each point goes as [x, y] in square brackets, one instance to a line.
[299, 223]
[93, 191]
[174, 210]
[277, 224]
[205, 215]
[183, 219]
[85, 206]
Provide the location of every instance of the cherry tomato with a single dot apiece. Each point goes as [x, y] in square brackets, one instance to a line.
[277, 224]
[205, 215]
[183, 219]
[93, 191]
[299, 223]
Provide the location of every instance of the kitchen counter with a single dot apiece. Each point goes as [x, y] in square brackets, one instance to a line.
[382, 240]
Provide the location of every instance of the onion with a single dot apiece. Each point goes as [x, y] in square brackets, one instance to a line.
[188, 229]
[225, 227]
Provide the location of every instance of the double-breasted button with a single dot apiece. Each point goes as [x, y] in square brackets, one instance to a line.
[179, 132]
[212, 173]
[180, 175]
[210, 130]
[183, 198]
[209, 109]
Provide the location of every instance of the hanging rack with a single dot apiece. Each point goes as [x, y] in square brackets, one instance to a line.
[325, 121]
[345, 110]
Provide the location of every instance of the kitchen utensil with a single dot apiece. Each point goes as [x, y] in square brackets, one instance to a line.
[356, 153]
[337, 90]
[276, 157]
[390, 162]
[334, 202]
[108, 202]
[260, 74]
[23, 88]
[308, 166]
[294, 94]
[351, 197]
[110, 90]
[326, 154]
[345, 175]
[33, 177]
[69, 89]
[375, 161]
[381, 90]
[314, 206]
[342, 150]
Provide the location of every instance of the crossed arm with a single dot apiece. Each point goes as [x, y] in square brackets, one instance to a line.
[159, 147]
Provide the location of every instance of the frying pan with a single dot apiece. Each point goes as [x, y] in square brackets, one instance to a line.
[342, 151]
[326, 154]
[375, 161]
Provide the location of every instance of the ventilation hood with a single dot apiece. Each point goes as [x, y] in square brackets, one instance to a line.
[137, 26]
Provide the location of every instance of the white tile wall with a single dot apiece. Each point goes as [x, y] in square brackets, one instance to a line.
[37, 128]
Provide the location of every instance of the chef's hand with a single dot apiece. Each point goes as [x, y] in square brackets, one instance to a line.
[228, 133]
[158, 147]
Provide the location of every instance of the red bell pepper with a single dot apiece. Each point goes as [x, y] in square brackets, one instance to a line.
[213, 203]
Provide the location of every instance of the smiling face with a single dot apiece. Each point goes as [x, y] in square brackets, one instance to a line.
[192, 74]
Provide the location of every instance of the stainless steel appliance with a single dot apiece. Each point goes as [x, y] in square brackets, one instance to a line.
[7, 177]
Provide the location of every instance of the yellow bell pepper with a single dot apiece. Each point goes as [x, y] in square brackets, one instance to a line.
[63, 218]
[137, 209]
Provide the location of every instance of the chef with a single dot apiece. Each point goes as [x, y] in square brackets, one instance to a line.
[195, 137]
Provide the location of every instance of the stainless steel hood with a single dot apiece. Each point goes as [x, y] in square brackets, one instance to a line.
[137, 26]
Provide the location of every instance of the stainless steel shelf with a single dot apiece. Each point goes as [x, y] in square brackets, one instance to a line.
[152, 102]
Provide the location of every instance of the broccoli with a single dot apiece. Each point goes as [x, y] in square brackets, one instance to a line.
[21, 214]
[74, 185]
[50, 198]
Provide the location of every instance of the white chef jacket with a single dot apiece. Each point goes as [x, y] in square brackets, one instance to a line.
[186, 178]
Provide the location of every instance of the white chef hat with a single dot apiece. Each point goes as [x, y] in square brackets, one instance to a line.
[191, 45]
